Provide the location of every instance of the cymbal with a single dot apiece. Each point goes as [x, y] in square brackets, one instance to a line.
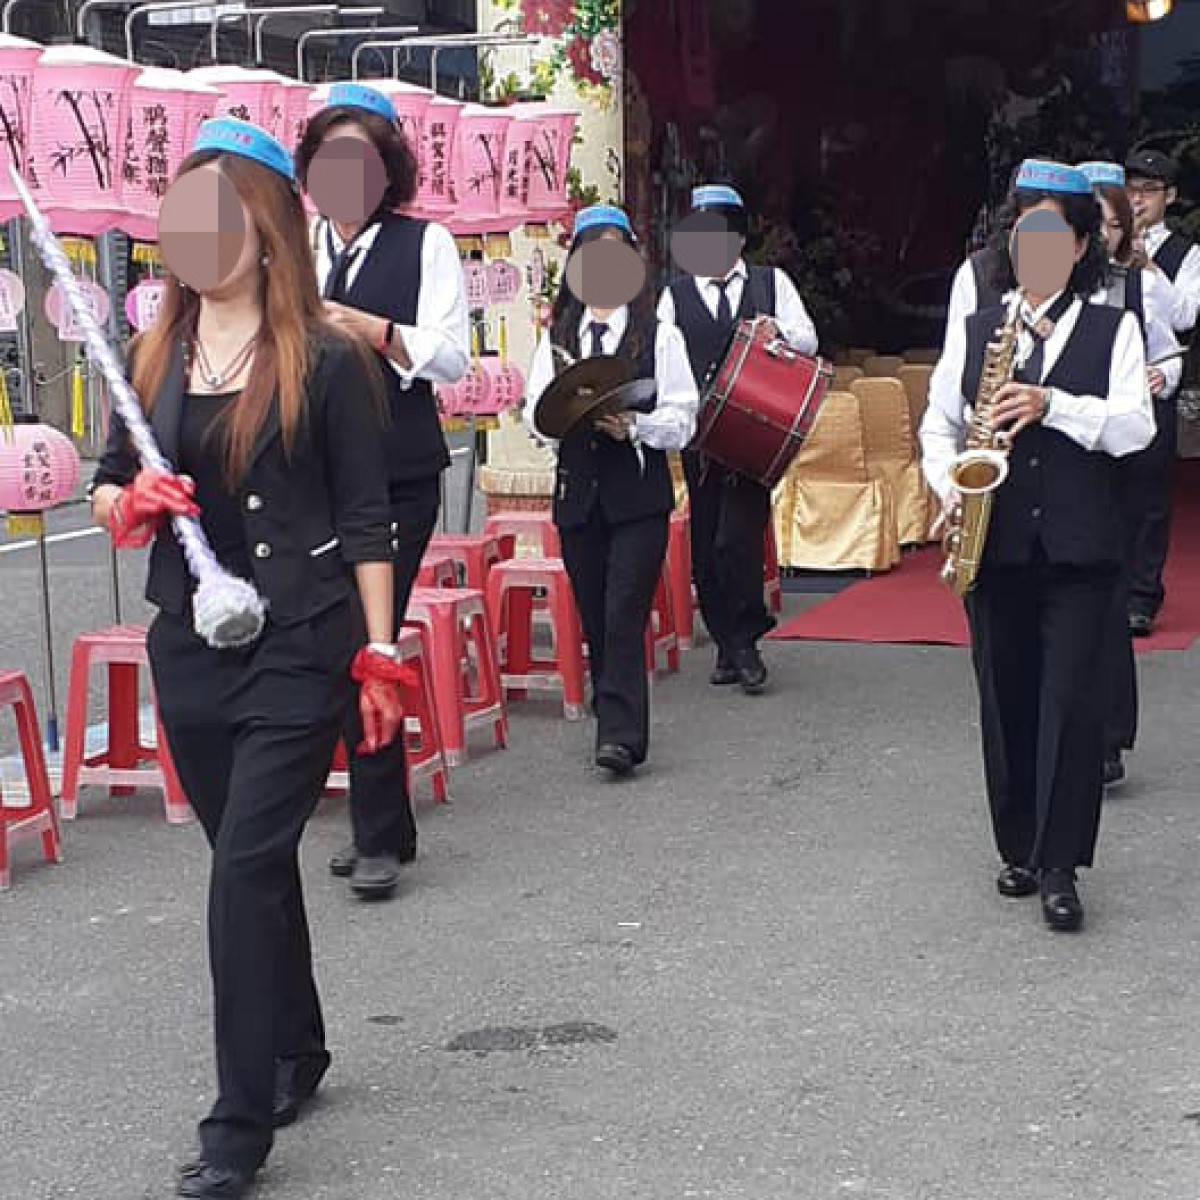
[591, 388]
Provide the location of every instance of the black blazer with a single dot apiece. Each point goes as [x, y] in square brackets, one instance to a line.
[307, 516]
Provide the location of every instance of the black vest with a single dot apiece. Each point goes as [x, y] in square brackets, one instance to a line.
[1171, 254]
[1058, 495]
[594, 470]
[388, 284]
[707, 339]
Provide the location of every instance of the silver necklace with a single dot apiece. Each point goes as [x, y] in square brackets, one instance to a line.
[213, 379]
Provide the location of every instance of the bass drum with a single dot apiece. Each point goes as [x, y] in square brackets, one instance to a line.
[761, 404]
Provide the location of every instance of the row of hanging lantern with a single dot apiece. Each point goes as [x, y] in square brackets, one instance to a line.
[98, 139]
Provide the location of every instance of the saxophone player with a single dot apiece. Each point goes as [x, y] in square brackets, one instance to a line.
[1040, 608]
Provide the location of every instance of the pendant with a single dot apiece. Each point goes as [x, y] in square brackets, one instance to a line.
[1044, 328]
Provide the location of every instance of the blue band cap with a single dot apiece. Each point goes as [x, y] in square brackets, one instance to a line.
[229, 135]
[1100, 173]
[601, 216]
[716, 195]
[356, 95]
[1036, 175]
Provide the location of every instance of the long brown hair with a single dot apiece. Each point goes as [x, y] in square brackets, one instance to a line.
[292, 314]
[1123, 211]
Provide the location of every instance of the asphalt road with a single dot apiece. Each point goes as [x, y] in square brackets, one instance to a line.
[774, 967]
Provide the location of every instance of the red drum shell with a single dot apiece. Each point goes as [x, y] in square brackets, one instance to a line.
[761, 405]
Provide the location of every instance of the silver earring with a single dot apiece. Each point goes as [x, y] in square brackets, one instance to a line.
[266, 260]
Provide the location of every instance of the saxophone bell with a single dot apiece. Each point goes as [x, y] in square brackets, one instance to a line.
[975, 472]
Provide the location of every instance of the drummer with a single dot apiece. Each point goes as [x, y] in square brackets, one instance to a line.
[613, 497]
[729, 512]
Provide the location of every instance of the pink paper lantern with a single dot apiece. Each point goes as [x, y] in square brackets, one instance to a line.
[166, 110]
[504, 282]
[479, 162]
[39, 468]
[296, 102]
[475, 390]
[412, 103]
[550, 156]
[251, 95]
[435, 189]
[475, 284]
[80, 110]
[506, 386]
[518, 165]
[18, 62]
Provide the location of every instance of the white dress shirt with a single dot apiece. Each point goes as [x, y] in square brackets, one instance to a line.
[439, 345]
[1118, 424]
[1184, 292]
[790, 314]
[672, 424]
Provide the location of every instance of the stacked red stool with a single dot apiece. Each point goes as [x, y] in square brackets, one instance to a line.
[537, 527]
[423, 740]
[37, 818]
[662, 640]
[772, 580]
[437, 570]
[512, 587]
[125, 764]
[461, 650]
[474, 555]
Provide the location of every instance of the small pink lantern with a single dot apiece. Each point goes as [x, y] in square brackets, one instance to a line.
[18, 62]
[475, 284]
[504, 282]
[479, 162]
[550, 157]
[79, 116]
[61, 315]
[166, 109]
[506, 385]
[143, 302]
[475, 390]
[518, 166]
[39, 468]
[435, 191]
[252, 95]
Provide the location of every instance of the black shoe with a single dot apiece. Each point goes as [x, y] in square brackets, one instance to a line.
[1016, 882]
[375, 876]
[1114, 769]
[723, 674]
[752, 672]
[617, 759]
[1140, 625]
[296, 1082]
[343, 862]
[1060, 900]
[206, 1181]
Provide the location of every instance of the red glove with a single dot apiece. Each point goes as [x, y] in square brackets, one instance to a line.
[150, 499]
[382, 682]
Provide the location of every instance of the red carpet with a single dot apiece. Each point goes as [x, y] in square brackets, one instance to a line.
[910, 604]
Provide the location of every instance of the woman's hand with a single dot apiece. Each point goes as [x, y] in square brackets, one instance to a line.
[616, 425]
[357, 323]
[1019, 405]
[137, 511]
[381, 681]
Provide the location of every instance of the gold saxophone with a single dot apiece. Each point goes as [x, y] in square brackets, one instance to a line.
[983, 466]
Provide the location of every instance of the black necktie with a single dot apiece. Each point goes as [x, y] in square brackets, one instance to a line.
[1035, 366]
[724, 308]
[340, 264]
[597, 330]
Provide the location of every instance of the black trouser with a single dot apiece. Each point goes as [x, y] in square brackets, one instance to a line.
[728, 518]
[1144, 492]
[380, 807]
[614, 572]
[1039, 635]
[252, 733]
[1121, 727]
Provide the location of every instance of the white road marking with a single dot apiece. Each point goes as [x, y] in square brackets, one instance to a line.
[70, 536]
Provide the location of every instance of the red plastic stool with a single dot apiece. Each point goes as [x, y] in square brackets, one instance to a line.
[537, 527]
[126, 764]
[437, 570]
[661, 638]
[466, 673]
[475, 556]
[423, 741]
[38, 816]
[679, 566]
[511, 589]
[772, 581]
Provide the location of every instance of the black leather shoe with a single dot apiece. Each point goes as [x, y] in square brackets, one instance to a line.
[296, 1082]
[723, 674]
[206, 1181]
[342, 863]
[1060, 900]
[1114, 769]
[1141, 625]
[375, 876]
[752, 672]
[1016, 882]
[617, 759]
